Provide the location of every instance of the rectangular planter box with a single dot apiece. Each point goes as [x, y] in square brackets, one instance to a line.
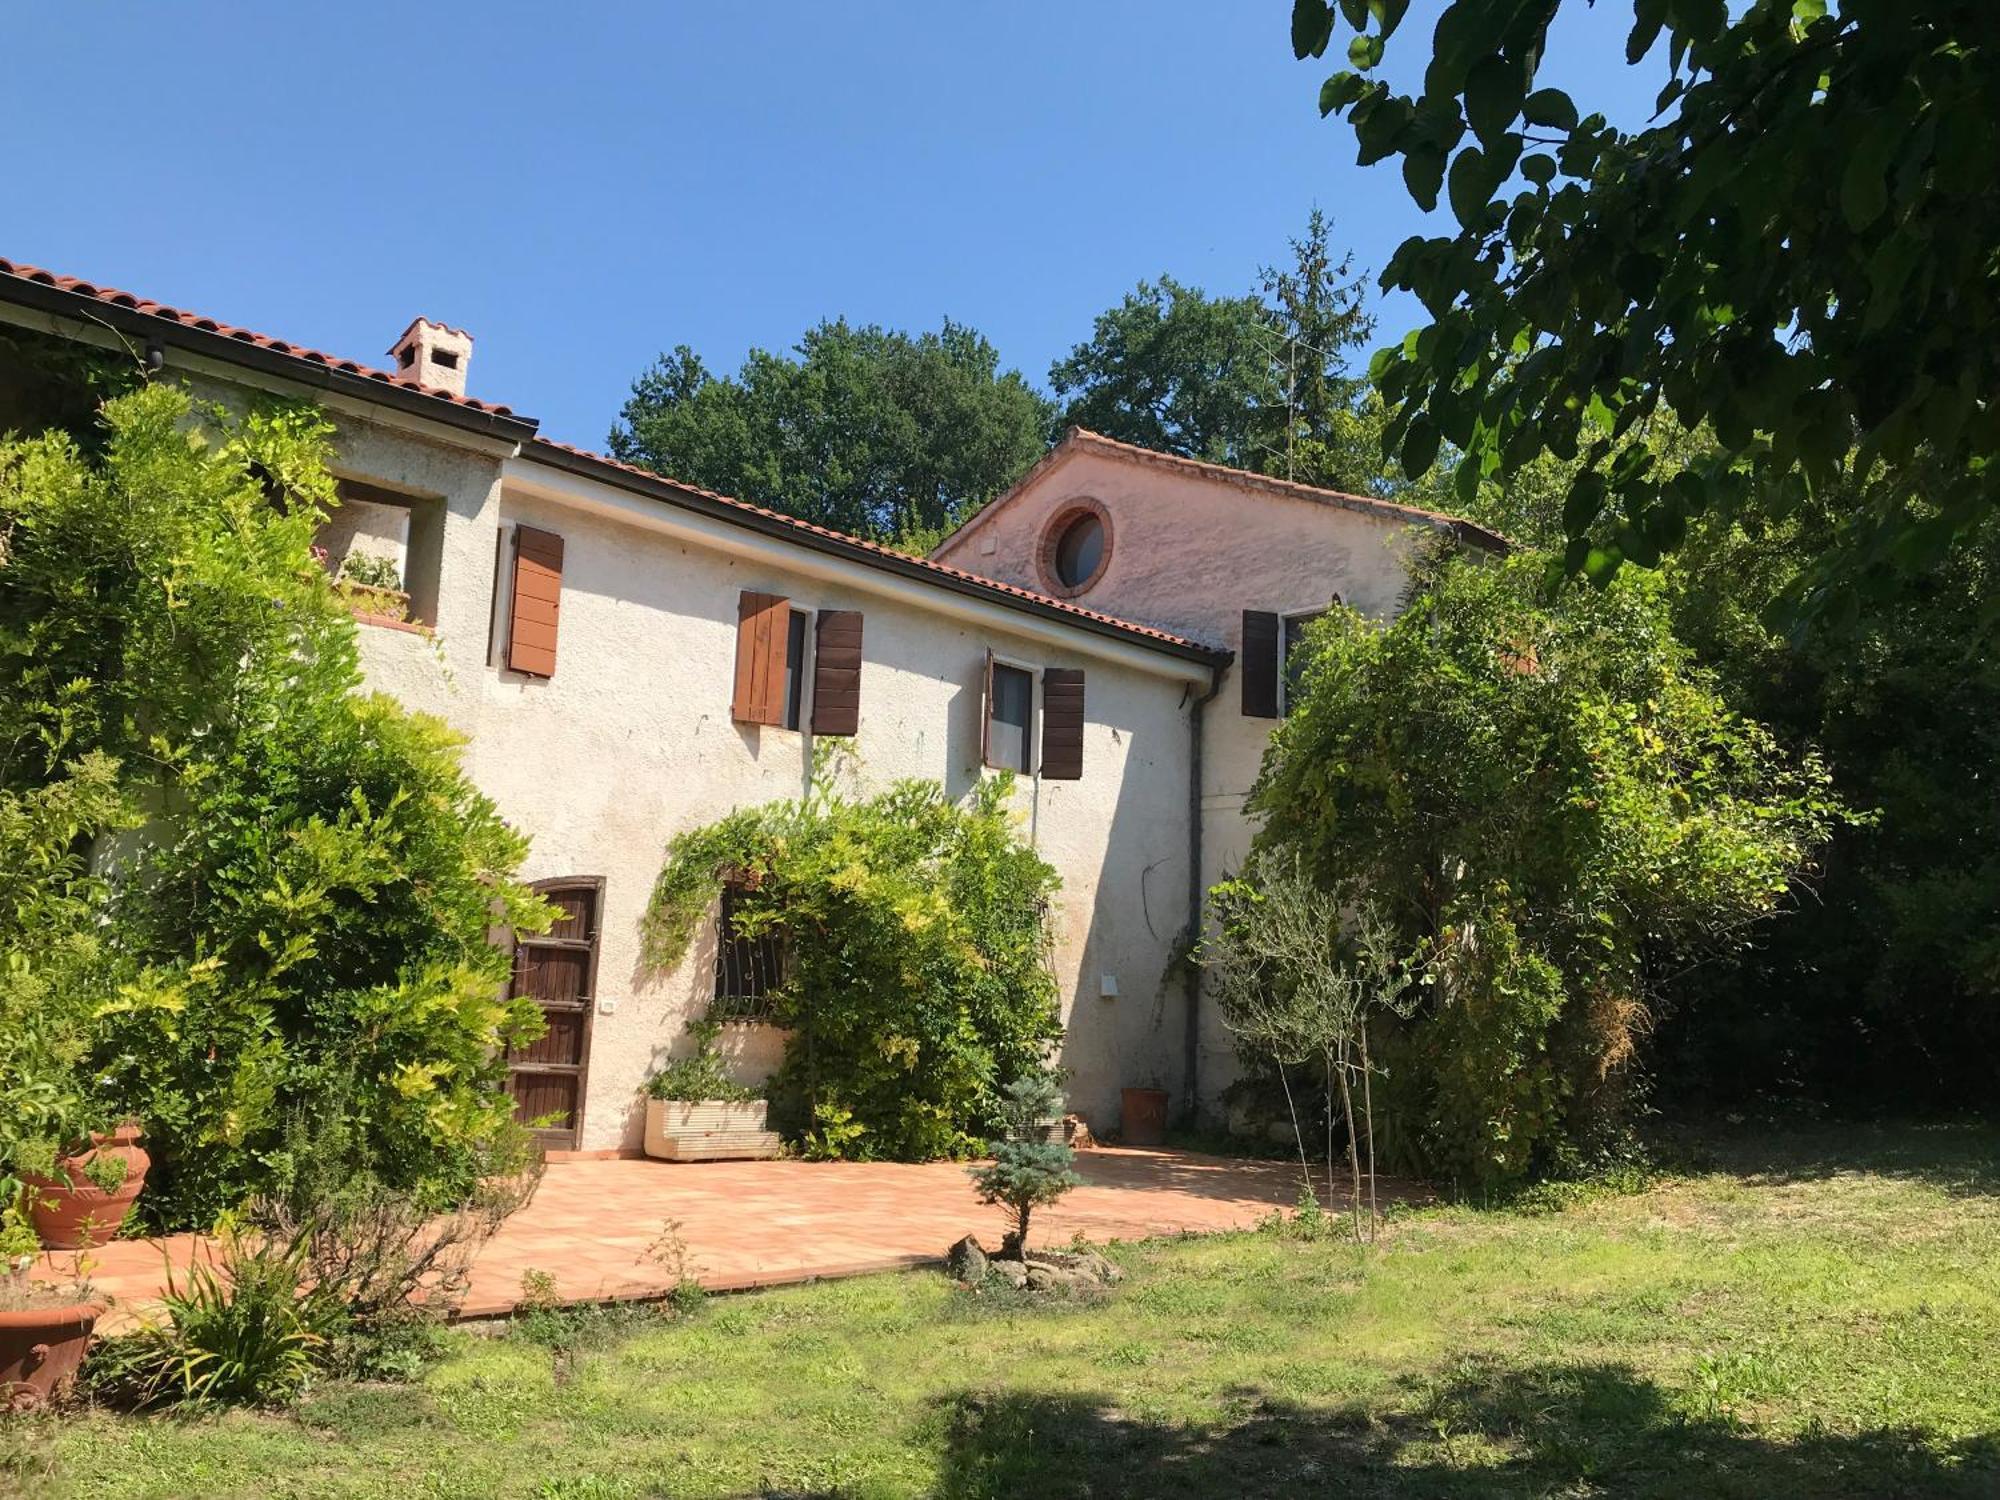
[708, 1130]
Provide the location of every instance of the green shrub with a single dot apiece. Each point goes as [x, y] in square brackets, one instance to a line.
[309, 900]
[243, 1332]
[917, 984]
[701, 1074]
[1557, 806]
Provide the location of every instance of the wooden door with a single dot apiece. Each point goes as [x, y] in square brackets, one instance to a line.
[558, 971]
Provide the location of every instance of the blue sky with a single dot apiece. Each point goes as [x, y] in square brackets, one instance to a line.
[582, 186]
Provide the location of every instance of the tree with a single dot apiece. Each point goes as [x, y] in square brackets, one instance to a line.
[1797, 253]
[1329, 424]
[1026, 1172]
[304, 913]
[1296, 983]
[1178, 371]
[884, 434]
[1259, 382]
[1558, 812]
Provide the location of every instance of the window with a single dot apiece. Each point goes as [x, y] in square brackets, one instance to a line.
[748, 970]
[1079, 550]
[1010, 701]
[1292, 660]
[1075, 547]
[795, 667]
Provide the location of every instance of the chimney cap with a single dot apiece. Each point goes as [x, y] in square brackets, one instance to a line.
[434, 355]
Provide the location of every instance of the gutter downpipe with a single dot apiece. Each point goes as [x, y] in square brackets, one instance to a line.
[1191, 971]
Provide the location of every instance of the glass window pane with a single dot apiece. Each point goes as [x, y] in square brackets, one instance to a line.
[1007, 732]
[1294, 662]
[1079, 550]
[795, 667]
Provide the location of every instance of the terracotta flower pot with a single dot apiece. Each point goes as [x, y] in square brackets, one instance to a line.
[70, 1211]
[41, 1350]
[1142, 1116]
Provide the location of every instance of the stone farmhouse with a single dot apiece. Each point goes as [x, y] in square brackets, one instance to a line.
[629, 657]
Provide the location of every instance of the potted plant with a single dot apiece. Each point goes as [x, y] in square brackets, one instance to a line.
[63, 1165]
[373, 586]
[81, 1198]
[44, 1330]
[696, 1112]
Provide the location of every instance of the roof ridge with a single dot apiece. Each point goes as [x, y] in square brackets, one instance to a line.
[146, 305]
[1273, 482]
[829, 533]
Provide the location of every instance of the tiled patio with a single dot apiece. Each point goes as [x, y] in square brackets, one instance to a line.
[761, 1223]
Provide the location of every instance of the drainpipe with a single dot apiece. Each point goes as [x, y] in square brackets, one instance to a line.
[1191, 974]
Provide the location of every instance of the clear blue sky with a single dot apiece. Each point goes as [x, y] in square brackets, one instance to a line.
[582, 185]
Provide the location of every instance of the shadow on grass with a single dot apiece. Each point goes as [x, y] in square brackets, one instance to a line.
[1960, 1157]
[1595, 1429]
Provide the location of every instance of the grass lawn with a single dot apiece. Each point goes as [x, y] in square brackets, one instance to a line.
[1812, 1314]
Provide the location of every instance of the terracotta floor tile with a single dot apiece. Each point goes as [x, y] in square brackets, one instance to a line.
[769, 1222]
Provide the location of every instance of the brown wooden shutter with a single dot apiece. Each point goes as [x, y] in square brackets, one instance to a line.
[1260, 664]
[1062, 724]
[532, 619]
[836, 706]
[762, 621]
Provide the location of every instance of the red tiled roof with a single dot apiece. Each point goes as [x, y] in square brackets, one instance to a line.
[1083, 437]
[876, 551]
[115, 298]
[824, 536]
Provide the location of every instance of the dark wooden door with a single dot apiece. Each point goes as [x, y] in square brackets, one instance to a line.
[558, 971]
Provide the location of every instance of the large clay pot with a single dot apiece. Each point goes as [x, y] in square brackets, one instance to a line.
[73, 1213]
[41, 1350]
[1142, 1116]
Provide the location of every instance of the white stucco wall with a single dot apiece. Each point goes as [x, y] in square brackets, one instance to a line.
[1189, 553]
[631, 742]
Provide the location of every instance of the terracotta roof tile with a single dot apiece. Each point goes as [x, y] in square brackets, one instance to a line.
[827, 533]
[1083, 437]
[186, 319]
[959, 577]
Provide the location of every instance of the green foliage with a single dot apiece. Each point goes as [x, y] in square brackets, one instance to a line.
[240, 1332]
[917, 981]
[884, 434]
[701, 1074]
[370, 571]
[308, 901]
[1026, 1172]
[1557, 809]
[1885, 990]
[1823, 323]
[1173, 369]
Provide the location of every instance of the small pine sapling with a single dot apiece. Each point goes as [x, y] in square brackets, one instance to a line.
[1026, 1172]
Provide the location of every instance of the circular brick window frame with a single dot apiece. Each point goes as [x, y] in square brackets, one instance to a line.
[1057, 527]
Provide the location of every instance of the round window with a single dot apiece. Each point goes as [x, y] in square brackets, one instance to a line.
[1080, 551]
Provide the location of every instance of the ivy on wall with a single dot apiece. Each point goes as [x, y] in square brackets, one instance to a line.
[917, 980]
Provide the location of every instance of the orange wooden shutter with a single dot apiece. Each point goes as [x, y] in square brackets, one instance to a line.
[531, 622]
[762, 621]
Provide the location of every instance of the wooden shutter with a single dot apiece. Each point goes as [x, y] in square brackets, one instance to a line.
[1260, 664]
[537, 602]
[1062, 724]
[836, 706]
[762, 623]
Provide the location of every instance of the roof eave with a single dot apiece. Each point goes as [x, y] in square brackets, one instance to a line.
[60, 302]
[660, 488]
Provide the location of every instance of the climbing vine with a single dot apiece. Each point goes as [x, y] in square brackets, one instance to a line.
[916, 981]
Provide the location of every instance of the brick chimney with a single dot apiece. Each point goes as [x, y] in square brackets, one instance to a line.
[433, 355]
